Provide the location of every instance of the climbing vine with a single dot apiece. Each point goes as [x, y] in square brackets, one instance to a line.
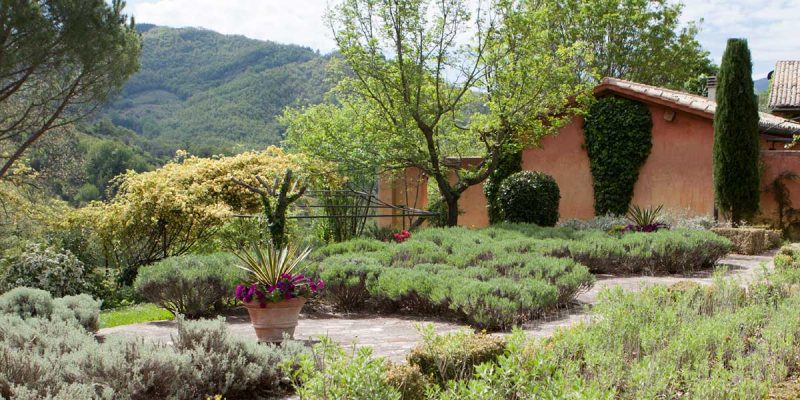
[618, 135]
[510, 162]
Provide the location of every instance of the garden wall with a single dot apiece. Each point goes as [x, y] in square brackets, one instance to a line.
[677, 174]
[776, 162]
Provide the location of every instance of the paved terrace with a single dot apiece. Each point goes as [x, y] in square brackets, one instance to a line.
[394, 336]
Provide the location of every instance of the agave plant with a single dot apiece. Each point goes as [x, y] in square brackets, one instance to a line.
[268, 264]
[644, 216]
[645, 219]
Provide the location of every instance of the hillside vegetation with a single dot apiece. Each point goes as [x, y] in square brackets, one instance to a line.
[211, 93]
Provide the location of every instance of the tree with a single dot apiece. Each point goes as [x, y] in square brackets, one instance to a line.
[736, 147]
[409, 74]
[169, 211]
[106, 159]
[639, 40]
[59, 60]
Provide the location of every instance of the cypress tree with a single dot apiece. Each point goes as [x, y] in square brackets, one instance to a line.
[736, 147]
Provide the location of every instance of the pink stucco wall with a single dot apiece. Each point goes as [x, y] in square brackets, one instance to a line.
[677, 174]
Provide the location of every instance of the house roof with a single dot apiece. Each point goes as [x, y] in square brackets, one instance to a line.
[768, 124]
[785, 93]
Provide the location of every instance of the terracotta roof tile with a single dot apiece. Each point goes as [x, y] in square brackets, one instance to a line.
[785, 93]
[767, 122]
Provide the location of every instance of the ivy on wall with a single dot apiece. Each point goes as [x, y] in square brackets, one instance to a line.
[618, 134]
[510, 163]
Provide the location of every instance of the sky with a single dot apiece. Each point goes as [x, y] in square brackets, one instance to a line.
[769, 25]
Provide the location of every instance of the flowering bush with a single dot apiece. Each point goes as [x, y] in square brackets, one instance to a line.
[54, 270]
[401, 236]
[288, 286]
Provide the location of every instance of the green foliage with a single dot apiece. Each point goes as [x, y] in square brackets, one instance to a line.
[454, 356]
[275, 201]
[408, 380]
[736, 144]
[333, 373]
[618, 140]
[51, 358]
[27, 303]
[529, 197]
[133, 315]
[687, 340]
[515, 87]
[477, 275]
[661, 252]
[500, 276]
[267, 267]
[191, 285]
[80, 311]
[347, 278]
[61, 59]
[107, 159]
[178, 207]
[211, 93]
[438, 206]
[510, 163]
[642, 41]
[601, 222]
[56, 271]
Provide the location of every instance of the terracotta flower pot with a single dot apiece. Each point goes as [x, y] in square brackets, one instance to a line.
[272, 320]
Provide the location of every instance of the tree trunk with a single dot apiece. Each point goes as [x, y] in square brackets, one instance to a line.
[452, 209]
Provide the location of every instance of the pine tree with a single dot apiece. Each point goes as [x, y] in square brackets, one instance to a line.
[736, 146]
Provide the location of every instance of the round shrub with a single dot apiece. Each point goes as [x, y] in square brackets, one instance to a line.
[192, 285]
[79, 311]
[27, 303]
[530, 197]
[56, 271]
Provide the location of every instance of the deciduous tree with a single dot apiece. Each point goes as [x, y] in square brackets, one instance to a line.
[435, 81]
[639, 40]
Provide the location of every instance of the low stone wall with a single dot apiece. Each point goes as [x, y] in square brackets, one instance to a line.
[750, 241]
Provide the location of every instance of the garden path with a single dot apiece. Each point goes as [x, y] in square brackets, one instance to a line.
[394, 336]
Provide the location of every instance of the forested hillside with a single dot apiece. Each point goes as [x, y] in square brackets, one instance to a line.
[212, 93]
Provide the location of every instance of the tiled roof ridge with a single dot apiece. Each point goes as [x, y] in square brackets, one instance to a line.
[698, 104]
[785, 93]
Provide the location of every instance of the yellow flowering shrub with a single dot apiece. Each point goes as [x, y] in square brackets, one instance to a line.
[167, 211]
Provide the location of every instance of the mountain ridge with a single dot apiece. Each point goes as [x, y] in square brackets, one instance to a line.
[212, 93]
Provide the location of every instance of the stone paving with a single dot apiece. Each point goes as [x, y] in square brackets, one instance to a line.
[394, 336]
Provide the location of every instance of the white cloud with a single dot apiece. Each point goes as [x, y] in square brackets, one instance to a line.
[769, 25]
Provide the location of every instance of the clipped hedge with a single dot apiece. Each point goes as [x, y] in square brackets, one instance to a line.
[191, 285]
[470, 275]
[529, 197]
[653, 253]
[501, 276]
